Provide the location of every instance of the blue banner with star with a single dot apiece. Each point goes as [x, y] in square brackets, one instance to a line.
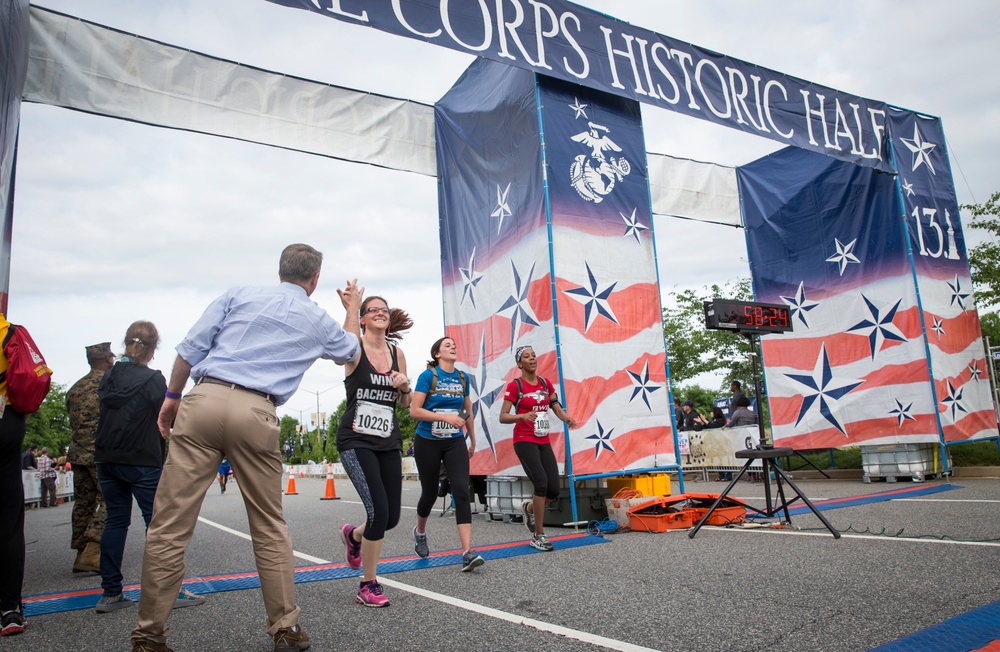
[825, 238]
[546, 241]
[941, 267]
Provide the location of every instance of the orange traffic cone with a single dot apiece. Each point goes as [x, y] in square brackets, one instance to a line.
[291, 483]
[301, 473]
[331, 490]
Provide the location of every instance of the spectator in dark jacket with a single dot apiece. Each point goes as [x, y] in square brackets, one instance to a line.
[129, 451]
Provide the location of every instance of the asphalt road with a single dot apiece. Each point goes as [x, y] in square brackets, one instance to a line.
[901, 566]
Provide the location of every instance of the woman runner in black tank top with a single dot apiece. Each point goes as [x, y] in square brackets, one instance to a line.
[369, 441]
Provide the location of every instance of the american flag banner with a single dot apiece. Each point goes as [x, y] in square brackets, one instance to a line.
[546, 240]
[936, 239]
[825, 238]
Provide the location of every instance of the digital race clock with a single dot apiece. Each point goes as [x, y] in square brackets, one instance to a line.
[747, 316]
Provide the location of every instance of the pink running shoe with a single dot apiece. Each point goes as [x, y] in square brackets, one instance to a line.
[370, 594]
[352, 550]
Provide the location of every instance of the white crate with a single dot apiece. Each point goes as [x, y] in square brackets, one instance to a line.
[505, 494]
[917, 461]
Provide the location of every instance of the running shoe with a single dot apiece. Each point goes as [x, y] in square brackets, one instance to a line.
[187, 599]
[420, 543]
[12, 622]
[529, 516]
[352, 550]
[370, 594]
[471, 560]
[540, 542]
[109, 603]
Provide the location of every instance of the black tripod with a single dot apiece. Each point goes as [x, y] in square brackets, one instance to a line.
[769, 457]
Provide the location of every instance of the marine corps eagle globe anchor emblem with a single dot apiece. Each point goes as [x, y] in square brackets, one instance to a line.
[594, 176]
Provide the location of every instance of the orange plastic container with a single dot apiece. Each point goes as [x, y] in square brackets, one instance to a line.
[731, 512]
[659, 515]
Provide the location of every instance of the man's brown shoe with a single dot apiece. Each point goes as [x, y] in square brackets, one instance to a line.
[142, 645]
[290, 639]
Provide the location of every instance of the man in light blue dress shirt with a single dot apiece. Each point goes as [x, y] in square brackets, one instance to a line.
[247, 354]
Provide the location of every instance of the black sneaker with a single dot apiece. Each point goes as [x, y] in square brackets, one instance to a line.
[291, 639]
[529, 516]
[12, 622]
[420, 543]
[471, 560]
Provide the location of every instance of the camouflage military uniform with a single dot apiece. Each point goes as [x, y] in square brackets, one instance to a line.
[84, 413]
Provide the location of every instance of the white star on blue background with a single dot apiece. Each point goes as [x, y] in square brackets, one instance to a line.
[902, 412]
[881, 326]
[908, 189]
[845, 254]
[517, 303]
[603, 440]
[920, 149]
[799, 304]
[641, 385]
[578, 108]
[633, 226]
[502, 209]
[594, 300]
[826, 391]
[470, 279]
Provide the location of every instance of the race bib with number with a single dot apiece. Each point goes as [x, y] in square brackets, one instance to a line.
[542, 424]
[443, 428]
[373, 419]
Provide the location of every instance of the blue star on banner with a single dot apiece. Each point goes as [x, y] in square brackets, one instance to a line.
[484, 394]
[920, 149]
[974, 371]
[882, 328]
[517, 303]
[470, 279]
[902, 412]
[825, 391]
[633, 226]
[603, 440]
[953, 400]
[641, 385]
[594, 300]
[957, 296]
[799, 304]
[845, 254]
[502, 209]
[938, 327]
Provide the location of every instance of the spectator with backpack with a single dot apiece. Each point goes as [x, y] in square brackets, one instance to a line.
[20, 394]
[443, 410]
[532, 398]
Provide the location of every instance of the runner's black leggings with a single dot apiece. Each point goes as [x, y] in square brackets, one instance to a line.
[539, 463]
[378, 478]
[454, 452]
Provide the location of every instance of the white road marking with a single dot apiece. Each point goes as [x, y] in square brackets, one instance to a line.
[575, 634]
[825, 533]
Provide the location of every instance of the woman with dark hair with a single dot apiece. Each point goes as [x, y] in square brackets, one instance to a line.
[129, 452]
[718, 420]
[369, 440]
[743, 416]
[442, 406]
[532, 398]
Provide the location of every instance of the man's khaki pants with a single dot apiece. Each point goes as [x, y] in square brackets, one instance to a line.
[214, 420]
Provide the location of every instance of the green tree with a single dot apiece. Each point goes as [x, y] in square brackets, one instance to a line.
[984, 258]
[692, 349]
[288, 436]
[49, 426]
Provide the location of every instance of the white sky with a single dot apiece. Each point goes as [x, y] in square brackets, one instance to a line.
[116, 221]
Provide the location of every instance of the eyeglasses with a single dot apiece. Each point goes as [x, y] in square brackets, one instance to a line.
[374, 310]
